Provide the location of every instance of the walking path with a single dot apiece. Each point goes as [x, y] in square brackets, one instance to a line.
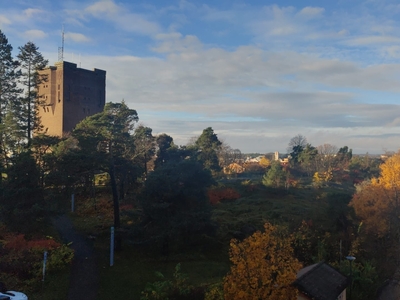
[84, 280]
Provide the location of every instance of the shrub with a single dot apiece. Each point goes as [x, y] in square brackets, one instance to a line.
[177, 288]
[217, 195]
[21, 260]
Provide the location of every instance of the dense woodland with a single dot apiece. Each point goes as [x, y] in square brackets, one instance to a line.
[252, 225]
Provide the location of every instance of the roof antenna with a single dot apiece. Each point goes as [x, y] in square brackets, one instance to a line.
[61, 49]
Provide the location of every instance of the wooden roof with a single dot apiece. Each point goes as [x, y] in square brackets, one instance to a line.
[321, 282]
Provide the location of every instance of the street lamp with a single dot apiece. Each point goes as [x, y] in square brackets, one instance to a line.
[350, 259]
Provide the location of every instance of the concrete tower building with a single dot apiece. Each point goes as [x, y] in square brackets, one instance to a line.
[68, 95]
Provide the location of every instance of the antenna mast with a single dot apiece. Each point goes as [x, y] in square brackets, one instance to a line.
[61, 49]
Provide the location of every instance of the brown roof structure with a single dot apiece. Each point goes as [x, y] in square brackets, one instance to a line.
[321, 282]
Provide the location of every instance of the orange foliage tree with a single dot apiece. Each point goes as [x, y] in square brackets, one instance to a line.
[377, 203]
[264, 267]
[265, 162]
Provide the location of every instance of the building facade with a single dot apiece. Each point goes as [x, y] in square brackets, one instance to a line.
[68, 95]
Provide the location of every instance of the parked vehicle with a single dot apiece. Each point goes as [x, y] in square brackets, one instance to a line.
[11, 295]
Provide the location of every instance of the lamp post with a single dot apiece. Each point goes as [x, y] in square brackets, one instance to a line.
[350, 259]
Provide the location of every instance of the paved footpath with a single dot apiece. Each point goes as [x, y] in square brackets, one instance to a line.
[84, 280]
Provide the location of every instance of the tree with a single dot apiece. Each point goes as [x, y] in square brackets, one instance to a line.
[207, 146]
[22, 205]
[42, 152]
[326, 157]
[144, 146]
[377, 202]
[31, 62]
[265, 162]
[307, 158]
[297, 143]
[105, 139]
[343, 157]
[175, 201]
[9, 92]
[168, 152]
[264, 267]
[227, 155]
[275, 176]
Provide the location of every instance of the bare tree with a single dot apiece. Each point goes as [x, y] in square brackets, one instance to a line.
[326, 156]
[298, 141]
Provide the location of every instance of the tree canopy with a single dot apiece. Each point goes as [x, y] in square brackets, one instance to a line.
[264, 267]
[377, 202]
[105, 139]
[207, 146]
[175, 201]
[31, 62]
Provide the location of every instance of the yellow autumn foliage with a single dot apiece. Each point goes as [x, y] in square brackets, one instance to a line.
[377, 203]
[265, 162]
[264, 267]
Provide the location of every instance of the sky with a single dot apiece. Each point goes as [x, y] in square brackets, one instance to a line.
[257, 72]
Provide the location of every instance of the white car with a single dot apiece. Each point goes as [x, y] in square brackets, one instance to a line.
[11, 295]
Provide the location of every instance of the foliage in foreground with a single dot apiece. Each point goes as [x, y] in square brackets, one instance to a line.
[177, 288]
[21, 260]
[264, 267]
[175, 202]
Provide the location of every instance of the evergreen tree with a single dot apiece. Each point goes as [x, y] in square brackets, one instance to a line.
[275, 176]
[22, 202]
[9, 93]
[175, 202]
[106, 143]
[207, 146]
[144, 147]
[31, 62]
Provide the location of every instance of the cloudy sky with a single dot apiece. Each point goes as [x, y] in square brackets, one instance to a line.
[257, 72]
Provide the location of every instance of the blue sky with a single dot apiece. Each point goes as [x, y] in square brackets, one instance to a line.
[258, 72]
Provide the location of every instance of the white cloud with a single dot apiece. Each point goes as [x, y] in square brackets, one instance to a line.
[311, 12]
[103, 7]
[373, 40]
[122, 18]
[31, 12]
[173, 42]
[76, 37]
[4, 20]
[393, 51]
[289, 74]
[343, 32]
[35, 34]
[250, 85]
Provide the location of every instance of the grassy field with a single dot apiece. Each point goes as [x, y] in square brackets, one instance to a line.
[136, 265]
[54, 287]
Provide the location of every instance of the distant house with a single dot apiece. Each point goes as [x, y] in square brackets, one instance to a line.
[234, 168]
[254, 159]
[321, 282]
[283, 160]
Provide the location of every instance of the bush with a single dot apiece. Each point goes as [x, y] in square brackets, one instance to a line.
[177, 288]
[217, 195]
[21, 260]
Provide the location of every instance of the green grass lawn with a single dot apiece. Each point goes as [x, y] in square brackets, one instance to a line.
[54, 287]
[135, 266]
